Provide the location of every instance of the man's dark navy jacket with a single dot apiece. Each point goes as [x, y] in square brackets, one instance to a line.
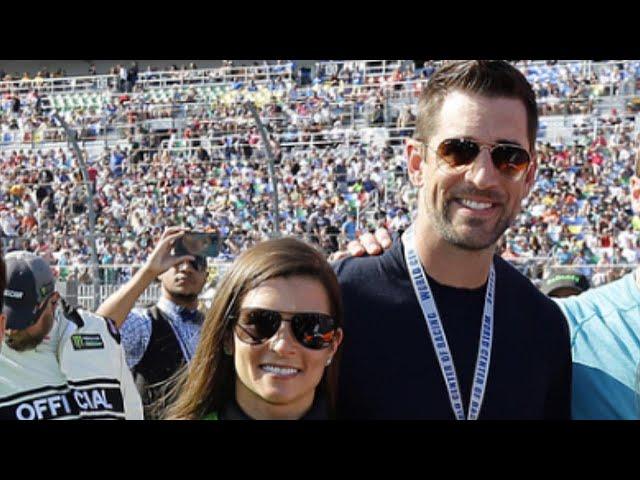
[389, 369]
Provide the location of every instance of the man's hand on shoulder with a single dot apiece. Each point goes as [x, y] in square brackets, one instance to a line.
[366, 244]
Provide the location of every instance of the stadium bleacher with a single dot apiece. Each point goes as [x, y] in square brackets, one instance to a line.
[181, 147]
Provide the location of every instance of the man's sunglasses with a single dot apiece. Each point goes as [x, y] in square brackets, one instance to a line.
[313, 330]
[510, 160]
[199, 264]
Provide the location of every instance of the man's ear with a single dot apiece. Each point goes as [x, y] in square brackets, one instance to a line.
[635, 194]
[414, 153]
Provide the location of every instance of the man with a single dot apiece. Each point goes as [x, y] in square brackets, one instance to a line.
[159, 340]
[604, 326]
[467, 337]
[57, 362]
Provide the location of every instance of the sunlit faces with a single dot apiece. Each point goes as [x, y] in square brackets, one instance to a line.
[278, 378]
[471, 207]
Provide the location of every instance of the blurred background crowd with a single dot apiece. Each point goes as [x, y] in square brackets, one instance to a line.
[180, 146]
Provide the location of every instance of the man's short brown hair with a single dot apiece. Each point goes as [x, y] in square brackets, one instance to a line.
[492, 78]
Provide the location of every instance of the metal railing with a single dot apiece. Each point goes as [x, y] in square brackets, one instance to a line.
[75, 282]
[56, 85]
[258, 73]
[82, 295]
[193, 110]
[368, 68]
[77, 291]
[150, 79]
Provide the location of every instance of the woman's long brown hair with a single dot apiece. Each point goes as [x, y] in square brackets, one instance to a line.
[208, 383]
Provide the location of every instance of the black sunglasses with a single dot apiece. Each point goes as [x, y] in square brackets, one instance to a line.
[199, 264]
[313, 330]
[510, 160]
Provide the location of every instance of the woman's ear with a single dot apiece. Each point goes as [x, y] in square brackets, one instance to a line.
[337, 340]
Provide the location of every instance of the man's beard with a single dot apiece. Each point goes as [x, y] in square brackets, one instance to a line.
[442, 222]
[20, 341]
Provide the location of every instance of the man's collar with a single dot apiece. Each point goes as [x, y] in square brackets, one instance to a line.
[184, 313]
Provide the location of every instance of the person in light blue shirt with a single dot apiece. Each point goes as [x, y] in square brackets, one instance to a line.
[604, 323]
[605, 342]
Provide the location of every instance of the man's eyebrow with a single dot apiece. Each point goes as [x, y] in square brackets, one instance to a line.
[499, 141]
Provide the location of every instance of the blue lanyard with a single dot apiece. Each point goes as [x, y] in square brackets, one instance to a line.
[439, 339]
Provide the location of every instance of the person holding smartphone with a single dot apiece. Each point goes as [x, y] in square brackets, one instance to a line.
[160, 339]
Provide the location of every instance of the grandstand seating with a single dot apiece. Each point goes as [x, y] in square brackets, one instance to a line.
[168, 118]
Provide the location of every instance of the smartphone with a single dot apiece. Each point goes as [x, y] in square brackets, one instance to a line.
[198, 244]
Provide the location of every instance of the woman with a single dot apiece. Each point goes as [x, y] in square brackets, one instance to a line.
[268, 348]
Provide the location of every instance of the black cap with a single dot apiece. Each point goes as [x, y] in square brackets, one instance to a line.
[29, 282]
[570, 280]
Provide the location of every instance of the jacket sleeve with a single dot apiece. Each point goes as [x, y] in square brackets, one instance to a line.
[93, 360]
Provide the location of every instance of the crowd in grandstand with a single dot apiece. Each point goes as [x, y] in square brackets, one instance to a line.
[189, 153]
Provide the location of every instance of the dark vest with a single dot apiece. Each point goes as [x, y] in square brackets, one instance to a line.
[162, 358]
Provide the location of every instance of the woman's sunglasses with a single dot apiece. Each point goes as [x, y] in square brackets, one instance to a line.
[313, 330]
[510, 160]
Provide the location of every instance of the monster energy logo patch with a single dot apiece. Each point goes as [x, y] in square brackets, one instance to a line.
[13, 294]
[83, 341]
